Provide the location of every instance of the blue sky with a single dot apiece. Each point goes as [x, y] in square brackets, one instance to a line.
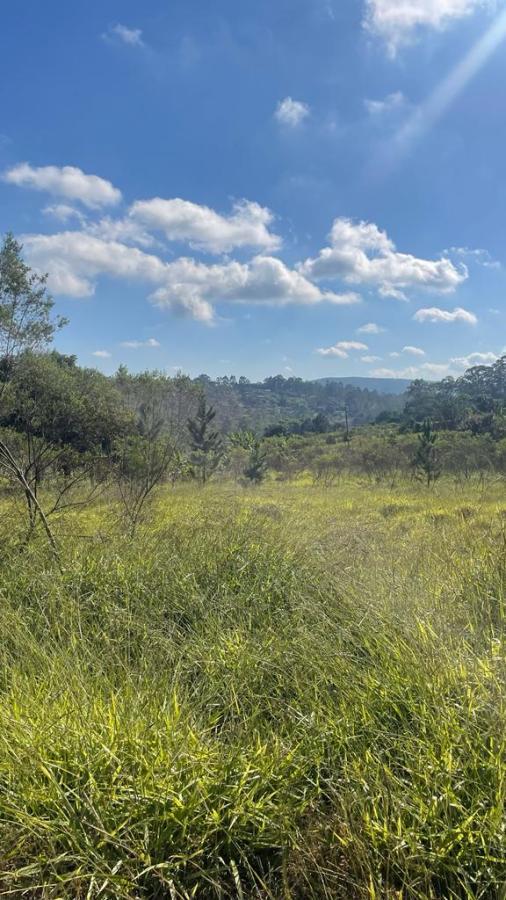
[311, 187]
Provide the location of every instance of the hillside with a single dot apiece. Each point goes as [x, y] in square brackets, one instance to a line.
[381, 385]
[243, 404]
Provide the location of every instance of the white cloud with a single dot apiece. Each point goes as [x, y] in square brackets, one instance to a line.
[137, 345]
[130, 36]
[341, 349]
[479, 256]
[66, 181]
[352, 345]
[370, 359]
[204, 228]
[102, 354]
[291, 112]
[63, 212]
[434, 314]
[397, 21]
[394, 355]
[370, 328]
[436, 370]
[474, 359]
[413, 351]
[391, 103]
[264, 279]
[126, 230]
[453, 367]
[360, 253]
[332, 351]
[75, 259]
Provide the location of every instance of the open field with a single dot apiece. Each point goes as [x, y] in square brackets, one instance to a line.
[285, 692]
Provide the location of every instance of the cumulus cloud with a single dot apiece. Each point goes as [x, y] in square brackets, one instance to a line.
[125, 230]
[370, 328]
[398, 21]
[102, 354]
[65, 181]
[361, 254]
[391, 103]
[332, 351]
[434, 314]
[342, 348]
[474, 359]
[454, 367]
[291, 112]
[137, 345]
[426, 370]
[75, 259]
[413, 351]
[264, 279]
[130, 36]
[63, 212]
[205, 229]
[370, 359]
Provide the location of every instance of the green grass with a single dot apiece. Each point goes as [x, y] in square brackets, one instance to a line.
[288, 692]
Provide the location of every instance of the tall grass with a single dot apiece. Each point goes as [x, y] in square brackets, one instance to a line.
[280, 693]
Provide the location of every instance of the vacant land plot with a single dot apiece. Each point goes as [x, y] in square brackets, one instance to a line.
[289, 692]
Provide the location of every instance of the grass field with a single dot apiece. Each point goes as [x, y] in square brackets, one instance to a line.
[287, 692]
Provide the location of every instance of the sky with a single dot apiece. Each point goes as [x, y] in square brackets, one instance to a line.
[305, 187]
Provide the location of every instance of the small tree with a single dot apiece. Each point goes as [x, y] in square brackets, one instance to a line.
[426, 462]
[206, 443]
[256, 469]
[143, 461]
[26, 323]
[60, 423]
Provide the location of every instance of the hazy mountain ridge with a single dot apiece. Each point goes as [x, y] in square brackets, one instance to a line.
[380, 385]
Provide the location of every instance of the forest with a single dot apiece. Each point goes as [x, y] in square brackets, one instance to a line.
[253, 635]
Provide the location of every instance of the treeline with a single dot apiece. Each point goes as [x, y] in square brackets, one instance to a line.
[291, 404]
[475, 402]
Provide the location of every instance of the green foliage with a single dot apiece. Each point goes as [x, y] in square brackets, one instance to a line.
[256, 469]
[291, 405]
[287, 693]
[205, 442]
[25, 306]
[426, 461]
[476, 401]
[244, 439]
[63, 404]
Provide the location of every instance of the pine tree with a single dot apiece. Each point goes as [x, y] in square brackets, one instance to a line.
[206, 443]
[426, 460]
[256, 469]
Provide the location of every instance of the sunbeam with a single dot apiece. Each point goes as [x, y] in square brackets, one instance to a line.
[426, 116]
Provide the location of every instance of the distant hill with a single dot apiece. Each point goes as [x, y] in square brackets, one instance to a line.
[382, 385]
[241, 404]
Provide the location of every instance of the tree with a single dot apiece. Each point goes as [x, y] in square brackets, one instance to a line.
[256, 469]
[156, 450]
[26, 323]
[142, 462]
[426, 461]
[62, 421]
[245, 439]
[206, 443]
